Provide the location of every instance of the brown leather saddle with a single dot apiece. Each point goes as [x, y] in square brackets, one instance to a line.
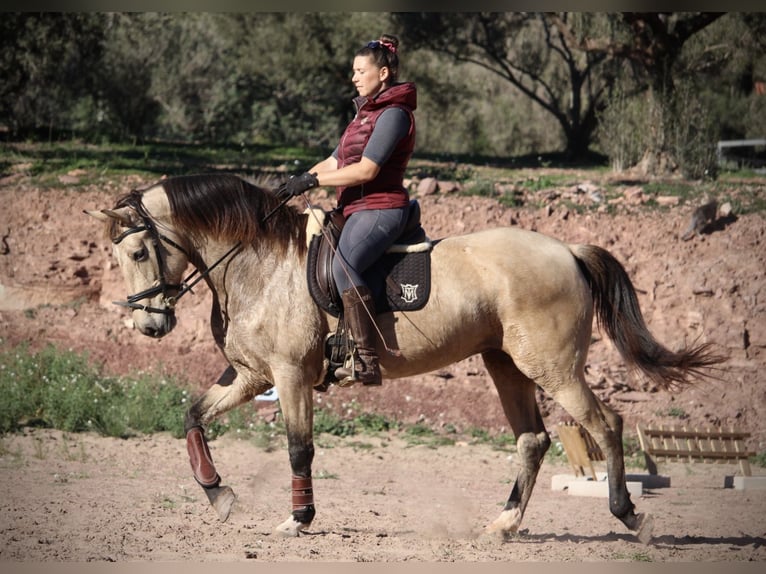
[400, 280]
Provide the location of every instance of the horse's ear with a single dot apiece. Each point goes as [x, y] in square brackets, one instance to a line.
[107, 214]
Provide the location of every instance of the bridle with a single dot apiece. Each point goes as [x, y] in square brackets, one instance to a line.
[147, 224]
[134, 201]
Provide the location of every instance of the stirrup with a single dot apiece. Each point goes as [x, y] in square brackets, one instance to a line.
[348, 380]
[353, 377]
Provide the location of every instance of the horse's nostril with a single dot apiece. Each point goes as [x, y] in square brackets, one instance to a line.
[152, 332]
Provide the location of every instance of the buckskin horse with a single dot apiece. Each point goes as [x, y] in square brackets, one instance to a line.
[522, 300]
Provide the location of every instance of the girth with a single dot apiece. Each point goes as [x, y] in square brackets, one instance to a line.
[400, 280]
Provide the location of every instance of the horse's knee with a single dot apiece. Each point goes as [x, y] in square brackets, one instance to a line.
[613, 419]
[192, 419]
[544, 443]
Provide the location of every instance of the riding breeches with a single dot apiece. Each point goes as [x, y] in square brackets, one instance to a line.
[366, 236]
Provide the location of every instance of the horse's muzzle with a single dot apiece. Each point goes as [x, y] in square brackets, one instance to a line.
[153, 324]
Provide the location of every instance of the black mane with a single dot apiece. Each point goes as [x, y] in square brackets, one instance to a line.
[228, 208]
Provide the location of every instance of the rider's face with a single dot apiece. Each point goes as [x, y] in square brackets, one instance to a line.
[368, 78]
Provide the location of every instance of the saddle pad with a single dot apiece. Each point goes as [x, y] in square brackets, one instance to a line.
[407, 281]
[399, 281]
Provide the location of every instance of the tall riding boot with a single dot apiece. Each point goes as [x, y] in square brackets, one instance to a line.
[359, 312]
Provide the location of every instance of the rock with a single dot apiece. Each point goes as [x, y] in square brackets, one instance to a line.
[705, 291]
[587, 188]
[634, 195]
[668, 200]
[427, 186]
[756, 332]
[449, 186]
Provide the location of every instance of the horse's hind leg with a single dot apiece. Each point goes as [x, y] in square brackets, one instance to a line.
[517, 395]
[605, 426]
[222, 396]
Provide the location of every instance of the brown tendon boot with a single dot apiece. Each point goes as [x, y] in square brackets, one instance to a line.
[359, 311]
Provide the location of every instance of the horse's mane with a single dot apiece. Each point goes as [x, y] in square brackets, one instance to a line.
[225, 207]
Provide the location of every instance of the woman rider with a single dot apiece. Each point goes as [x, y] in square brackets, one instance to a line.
[367, 169]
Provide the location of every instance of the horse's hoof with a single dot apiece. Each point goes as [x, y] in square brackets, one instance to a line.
[222, 498]
[507, 523]
[290, 528]
[645, 528]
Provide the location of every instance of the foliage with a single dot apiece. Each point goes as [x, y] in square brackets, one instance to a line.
[623, 132]
[328, 422]
[528, 51]
[43, 62]
[499, 84]
[759, 459]
[46, 161]
[64, 390]
[502, 442]
[61, 389]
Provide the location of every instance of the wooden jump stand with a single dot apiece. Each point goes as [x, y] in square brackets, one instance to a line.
[659, 444]
[580, 448]
[693, 444]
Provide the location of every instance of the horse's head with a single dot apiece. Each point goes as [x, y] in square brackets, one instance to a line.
[150, 255]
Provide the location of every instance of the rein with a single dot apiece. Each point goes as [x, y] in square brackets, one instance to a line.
[132, 301]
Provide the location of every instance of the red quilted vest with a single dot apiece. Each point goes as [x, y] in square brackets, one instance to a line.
[387, 189]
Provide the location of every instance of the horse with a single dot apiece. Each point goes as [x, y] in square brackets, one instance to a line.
[524, 301]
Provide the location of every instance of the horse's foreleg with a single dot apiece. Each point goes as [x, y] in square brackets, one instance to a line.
[220, 397]
[517, 395]
[297, 410]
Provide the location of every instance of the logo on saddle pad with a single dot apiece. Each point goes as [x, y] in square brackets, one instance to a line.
[409, 292]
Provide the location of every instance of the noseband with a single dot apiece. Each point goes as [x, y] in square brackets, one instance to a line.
[147, 224]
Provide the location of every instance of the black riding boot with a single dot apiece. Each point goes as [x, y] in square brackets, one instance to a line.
[359, 311]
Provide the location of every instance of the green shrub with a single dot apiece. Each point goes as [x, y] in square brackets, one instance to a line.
[759, 459]
[326, 421]
[62, 390]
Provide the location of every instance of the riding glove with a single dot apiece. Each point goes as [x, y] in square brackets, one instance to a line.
[297, 184]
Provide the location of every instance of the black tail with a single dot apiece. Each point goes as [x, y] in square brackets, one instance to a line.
[619, 315]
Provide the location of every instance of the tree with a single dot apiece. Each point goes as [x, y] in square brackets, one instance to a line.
[567, 62]
[535, 52]
[654, 44]
[43, 57]
[125, 105]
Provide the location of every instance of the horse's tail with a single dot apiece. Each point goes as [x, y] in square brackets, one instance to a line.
[619, 315]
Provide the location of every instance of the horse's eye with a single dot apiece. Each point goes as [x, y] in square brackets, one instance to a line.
[139, 255]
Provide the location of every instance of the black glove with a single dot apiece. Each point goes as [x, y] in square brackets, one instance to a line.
[297, 184]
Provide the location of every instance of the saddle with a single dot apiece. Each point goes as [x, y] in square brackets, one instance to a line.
[400, 280]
